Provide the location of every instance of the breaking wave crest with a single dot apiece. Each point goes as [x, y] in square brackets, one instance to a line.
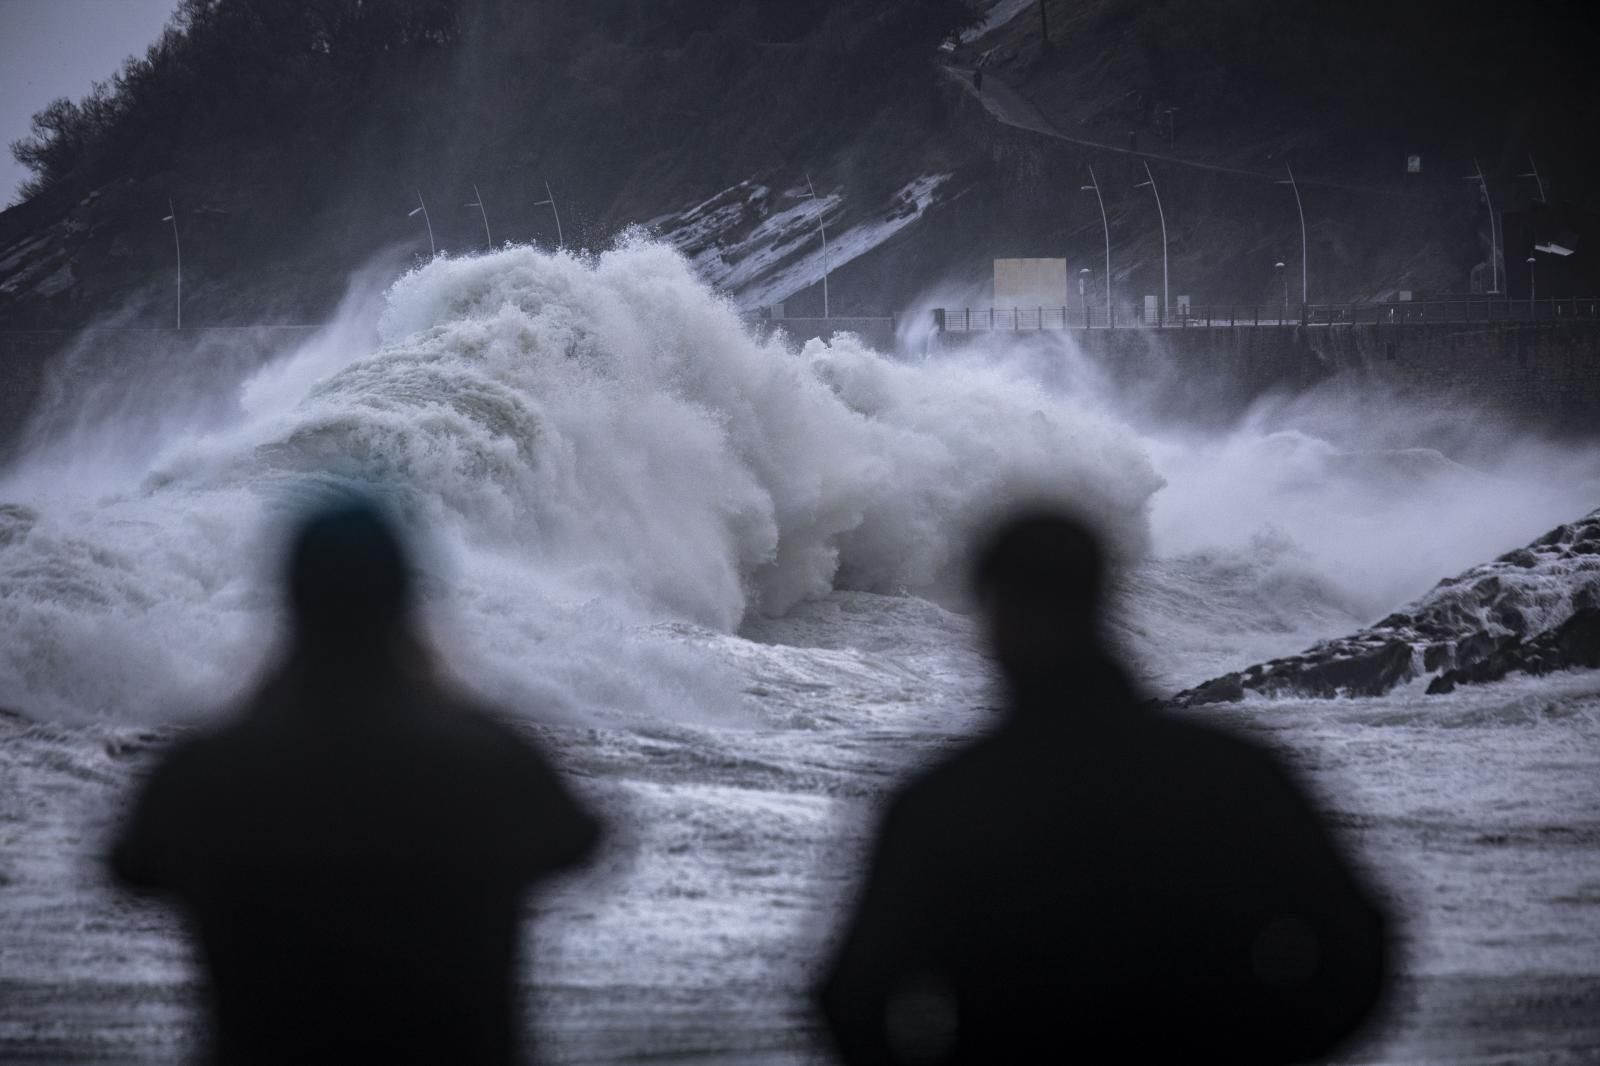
[595, 447]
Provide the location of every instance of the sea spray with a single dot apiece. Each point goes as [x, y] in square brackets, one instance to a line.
[596, 448]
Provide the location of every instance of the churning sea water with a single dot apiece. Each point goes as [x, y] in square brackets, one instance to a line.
[721, 580]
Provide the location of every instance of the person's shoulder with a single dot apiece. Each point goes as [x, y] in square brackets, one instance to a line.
[482, 732]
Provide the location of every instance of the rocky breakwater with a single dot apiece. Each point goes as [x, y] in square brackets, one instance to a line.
[1533, 610]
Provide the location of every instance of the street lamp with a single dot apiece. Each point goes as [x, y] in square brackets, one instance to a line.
[1534, 174]
[1494, 237]
[433, 251]
[550, 198]
[478, 203]
[177, 249]
[811, 190]
[1278, 266]
[1166, 309]
[1106, 227]
[1083, 275]
[1533, 288]
[1300, 208]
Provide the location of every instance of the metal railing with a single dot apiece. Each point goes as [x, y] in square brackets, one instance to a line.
[1465, 309]
[1475, 309]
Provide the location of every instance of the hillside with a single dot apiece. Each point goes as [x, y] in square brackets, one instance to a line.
[294, 140]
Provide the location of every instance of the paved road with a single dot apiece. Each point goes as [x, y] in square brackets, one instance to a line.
[1012, 108]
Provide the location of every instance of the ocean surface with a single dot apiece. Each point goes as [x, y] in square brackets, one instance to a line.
[721, 581]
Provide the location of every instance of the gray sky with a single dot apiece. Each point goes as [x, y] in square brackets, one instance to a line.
[51, 48]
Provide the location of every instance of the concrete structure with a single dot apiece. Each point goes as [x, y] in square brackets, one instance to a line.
[1543, 375]
[1030, 283]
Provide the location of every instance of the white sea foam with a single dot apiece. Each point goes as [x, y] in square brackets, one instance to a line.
[596, 447]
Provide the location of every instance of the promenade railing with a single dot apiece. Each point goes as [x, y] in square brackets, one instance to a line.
[1464, 310]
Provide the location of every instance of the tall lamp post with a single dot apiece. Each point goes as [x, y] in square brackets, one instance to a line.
[550, 198]
[1278, 266]
[477, 201]
[1494, 236]
[811, 190]
[1300, 208]
[177, 249]
[433, 250]
[1166, 309]
[1106, 227]
[1534, 174]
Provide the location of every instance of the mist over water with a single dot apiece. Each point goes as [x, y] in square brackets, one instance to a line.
[599, 463]
[730, 574]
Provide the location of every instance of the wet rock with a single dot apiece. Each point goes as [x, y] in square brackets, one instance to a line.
[1437, 657]
[1532, 610]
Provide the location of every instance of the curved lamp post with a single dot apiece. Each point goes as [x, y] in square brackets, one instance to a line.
[1166, 301]
[1106, 227]
[177, 249]
[550, 198]
[1300, 208]
[1494, 236]
[433, 250]
[810, 189]
[477, 201]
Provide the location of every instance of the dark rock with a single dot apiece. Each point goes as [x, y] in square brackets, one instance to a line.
[1437, 657]
[1511, 617]
[1228, 688]
[1368, 674]
[1577, 640]
[1558, 535]
[1473, 627]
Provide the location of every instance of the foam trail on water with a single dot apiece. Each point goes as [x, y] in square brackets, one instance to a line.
[596, 448]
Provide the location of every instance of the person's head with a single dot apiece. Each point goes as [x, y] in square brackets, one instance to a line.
[349, 579]
[1039, 577]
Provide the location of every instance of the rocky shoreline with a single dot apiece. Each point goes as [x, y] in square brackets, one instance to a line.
[1533, 610]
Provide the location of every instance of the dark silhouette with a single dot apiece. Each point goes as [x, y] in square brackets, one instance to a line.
[352, 850]
[977, 80]
[1096, 880]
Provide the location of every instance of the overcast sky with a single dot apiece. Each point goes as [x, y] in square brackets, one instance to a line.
[51, 48]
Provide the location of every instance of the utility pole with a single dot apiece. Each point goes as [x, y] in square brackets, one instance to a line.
[550, 198]
[1494, 237]
[177, 248]
[1044, 25]
[824, 231]
[1106, 227]
[477, 202]
[433, 250]
[1166, 301]
[1301, 208]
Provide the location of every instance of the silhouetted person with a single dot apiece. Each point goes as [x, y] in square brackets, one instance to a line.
[977, 80]
[352, 851]
[1095, 880]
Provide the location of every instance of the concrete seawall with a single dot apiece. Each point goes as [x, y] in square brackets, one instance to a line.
[1544, 375]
